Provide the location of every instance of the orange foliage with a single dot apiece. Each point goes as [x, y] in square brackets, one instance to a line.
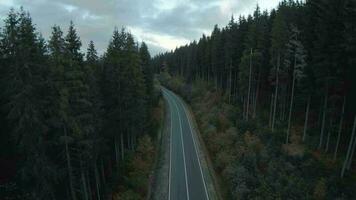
[253, 141]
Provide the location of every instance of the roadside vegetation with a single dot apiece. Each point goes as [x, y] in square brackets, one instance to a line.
[139, 168]
[254, 162]
[274, 95]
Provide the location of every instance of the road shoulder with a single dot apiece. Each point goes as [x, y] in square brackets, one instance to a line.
[161, 174]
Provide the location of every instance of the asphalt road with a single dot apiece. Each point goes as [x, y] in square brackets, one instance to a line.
[186, 178]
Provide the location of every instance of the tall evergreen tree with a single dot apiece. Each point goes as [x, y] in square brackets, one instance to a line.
[279, 37]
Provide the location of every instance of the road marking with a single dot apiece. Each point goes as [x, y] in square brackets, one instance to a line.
[181, 137]
[194, 142]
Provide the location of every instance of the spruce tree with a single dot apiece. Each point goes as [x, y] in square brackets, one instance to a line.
[24, 52]
[279, 37]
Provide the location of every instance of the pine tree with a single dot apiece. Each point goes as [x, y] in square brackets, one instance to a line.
[92, 54]
[147, 69]
[59, 109]
[134, 90]
[216, 55]
[297, 55]
[249, 63]
[92, 79]
[278, 41]
[24, 51]
[80, 117]
[112, 92]
[63, 117]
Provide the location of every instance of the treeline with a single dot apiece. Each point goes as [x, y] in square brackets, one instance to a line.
[292, 68]
[68, 120]
[252, 161]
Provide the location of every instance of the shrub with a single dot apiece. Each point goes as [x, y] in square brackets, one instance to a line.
[223, 159]
[253, 161]
[320, 190]
[222, 122]
[127, 195]
[137, 171]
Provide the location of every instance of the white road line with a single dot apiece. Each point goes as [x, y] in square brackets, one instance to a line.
[181, 137]
[194, 142]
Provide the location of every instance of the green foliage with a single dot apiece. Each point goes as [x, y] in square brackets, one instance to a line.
[288, 70]
[138, 171]
[251, 159]
[66, 122]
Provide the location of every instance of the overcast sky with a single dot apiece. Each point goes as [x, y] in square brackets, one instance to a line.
[162, 24]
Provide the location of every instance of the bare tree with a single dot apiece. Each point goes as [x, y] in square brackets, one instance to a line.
[349, 154]
[340, 129]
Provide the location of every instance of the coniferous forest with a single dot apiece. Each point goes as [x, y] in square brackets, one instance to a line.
[274, 96]
[70, 122]
[270, 110]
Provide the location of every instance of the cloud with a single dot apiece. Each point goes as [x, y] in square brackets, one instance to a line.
[162, 24]
[167, 42]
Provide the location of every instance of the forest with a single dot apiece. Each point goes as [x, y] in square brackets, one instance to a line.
[274, 93]
[271, 93]
[74, 125]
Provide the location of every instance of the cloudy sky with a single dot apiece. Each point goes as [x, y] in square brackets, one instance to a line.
[162, 24]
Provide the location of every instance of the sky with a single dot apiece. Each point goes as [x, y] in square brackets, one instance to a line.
[162, 24]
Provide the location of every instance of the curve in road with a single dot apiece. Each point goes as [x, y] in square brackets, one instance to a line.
[186, 178]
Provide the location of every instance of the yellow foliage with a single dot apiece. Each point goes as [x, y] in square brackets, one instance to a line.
[296, 150]
[223, 159]
[296, 134]
[320, 190]
[138, 171]
[253, 142]
[223, 122]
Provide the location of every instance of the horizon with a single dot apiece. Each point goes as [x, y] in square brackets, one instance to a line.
[162, 25]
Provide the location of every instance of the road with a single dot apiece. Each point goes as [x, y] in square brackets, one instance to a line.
[186, 177]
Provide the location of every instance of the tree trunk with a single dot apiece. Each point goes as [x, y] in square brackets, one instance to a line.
[220, 80]
[230, 83]
[97, 181]
[133, 138]
[276, 93]
[349, 150]
[84, 183]
[122, 146]
[207, 74]
[257, 93]
[69, 166]
[249, 88]
[324, 118]
[271, 112]
[128, 141]
[320, 116]
[352, 155]
[245, 108]
[306, 119]
[89, 186]
[116, 151]
[253, 98]
[197, 75]
[216, 81]
[284, 104]
[291, 105]
[103, 172]
[329, 135]
[340, 128]
[236, 88]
